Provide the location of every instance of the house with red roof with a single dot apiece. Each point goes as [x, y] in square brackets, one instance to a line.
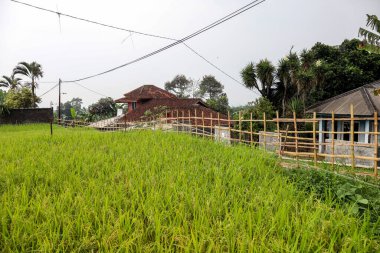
[148, 98]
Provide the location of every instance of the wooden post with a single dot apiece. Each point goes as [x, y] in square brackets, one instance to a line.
[229, 125]
[285, 139]
[251, 128]
[278, 132]
[196, 122]
[183, 121]
[219, 132]
[296, 135]
[352, 137]
[315, 137]
[51, 127]
[265, 130]
[190, 124]
[239, 126]
[177, 121]
[376, 142]
[211, 125]
[203, 125]
[125, 122]
[332, 138]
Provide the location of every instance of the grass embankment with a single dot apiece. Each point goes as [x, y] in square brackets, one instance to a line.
[82, 190]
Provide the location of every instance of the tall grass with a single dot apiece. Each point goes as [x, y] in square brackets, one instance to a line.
[82, 190]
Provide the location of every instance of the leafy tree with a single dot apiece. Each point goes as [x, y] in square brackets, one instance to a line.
[219, 103]
[33, 71]
[104, 108]
[3, 107]
[283, 74]
[21, 98]
[75, 104]
[264, 72]
[180, 86]
[10, 82]
[210, 87]
[371, 41]
[257, 108]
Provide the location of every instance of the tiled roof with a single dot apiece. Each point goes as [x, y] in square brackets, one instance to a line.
[364, 100]
[145, 92]
[183, 105]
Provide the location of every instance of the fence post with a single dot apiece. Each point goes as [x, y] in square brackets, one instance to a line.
[229, 125]
[239, 126]
[376, 141]
[51, 127]
[352, 137]
[211, 125]
[196, 122]
[177, 122]
[183, 121]
[315, 137]
[278, 132]
[219, 132]
[265, 131]
[251, 128]
[296, 135]
[203, 125]
[332, 138]
[190, 124]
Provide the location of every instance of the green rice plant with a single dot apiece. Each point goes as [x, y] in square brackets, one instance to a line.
[86, 191]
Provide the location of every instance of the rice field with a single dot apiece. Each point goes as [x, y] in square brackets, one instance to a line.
[86, 191]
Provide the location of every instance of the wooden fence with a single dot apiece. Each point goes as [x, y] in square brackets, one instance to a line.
[298, 138]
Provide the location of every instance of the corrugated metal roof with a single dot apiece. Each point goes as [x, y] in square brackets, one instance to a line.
[363, 99]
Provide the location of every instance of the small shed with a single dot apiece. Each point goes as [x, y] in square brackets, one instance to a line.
[365, 101]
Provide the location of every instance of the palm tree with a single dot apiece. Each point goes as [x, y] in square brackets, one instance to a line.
[294, 66]
[33, 71]
[371, 41]
[10, 82]
[248, 74]
[265, 73]
[283, 75]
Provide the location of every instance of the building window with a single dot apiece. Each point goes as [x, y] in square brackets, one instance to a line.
[356, 130]
[134, 105]
[336, 130]
[347, 131]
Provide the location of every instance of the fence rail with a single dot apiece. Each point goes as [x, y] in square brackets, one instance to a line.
[349, 140]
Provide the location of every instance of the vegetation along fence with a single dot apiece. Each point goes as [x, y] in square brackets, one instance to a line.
[341, 140]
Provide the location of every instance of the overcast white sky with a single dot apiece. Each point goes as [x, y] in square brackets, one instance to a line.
[77, 49]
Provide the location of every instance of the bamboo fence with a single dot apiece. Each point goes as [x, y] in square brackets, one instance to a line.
[298, 138]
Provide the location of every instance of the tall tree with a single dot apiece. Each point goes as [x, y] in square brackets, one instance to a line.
[10, 82]
[210, 87]
[265, 73]
[180, 86]
[33, 71]
[283, 75]
[371, 41]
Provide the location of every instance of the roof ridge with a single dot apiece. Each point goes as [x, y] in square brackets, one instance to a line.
[367, 99]
[335, 97]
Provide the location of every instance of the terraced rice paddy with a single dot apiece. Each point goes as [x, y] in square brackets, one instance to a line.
[86, 191]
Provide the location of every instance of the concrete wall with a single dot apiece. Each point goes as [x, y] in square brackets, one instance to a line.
[271, 139]
[344, 148]
[22, 116]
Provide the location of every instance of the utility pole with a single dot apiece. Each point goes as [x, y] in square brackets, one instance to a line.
[59, 101]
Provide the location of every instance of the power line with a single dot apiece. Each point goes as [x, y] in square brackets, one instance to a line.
[216, 23]
[52, 88]
[91, 21]
[91, 90]
[132, 31]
